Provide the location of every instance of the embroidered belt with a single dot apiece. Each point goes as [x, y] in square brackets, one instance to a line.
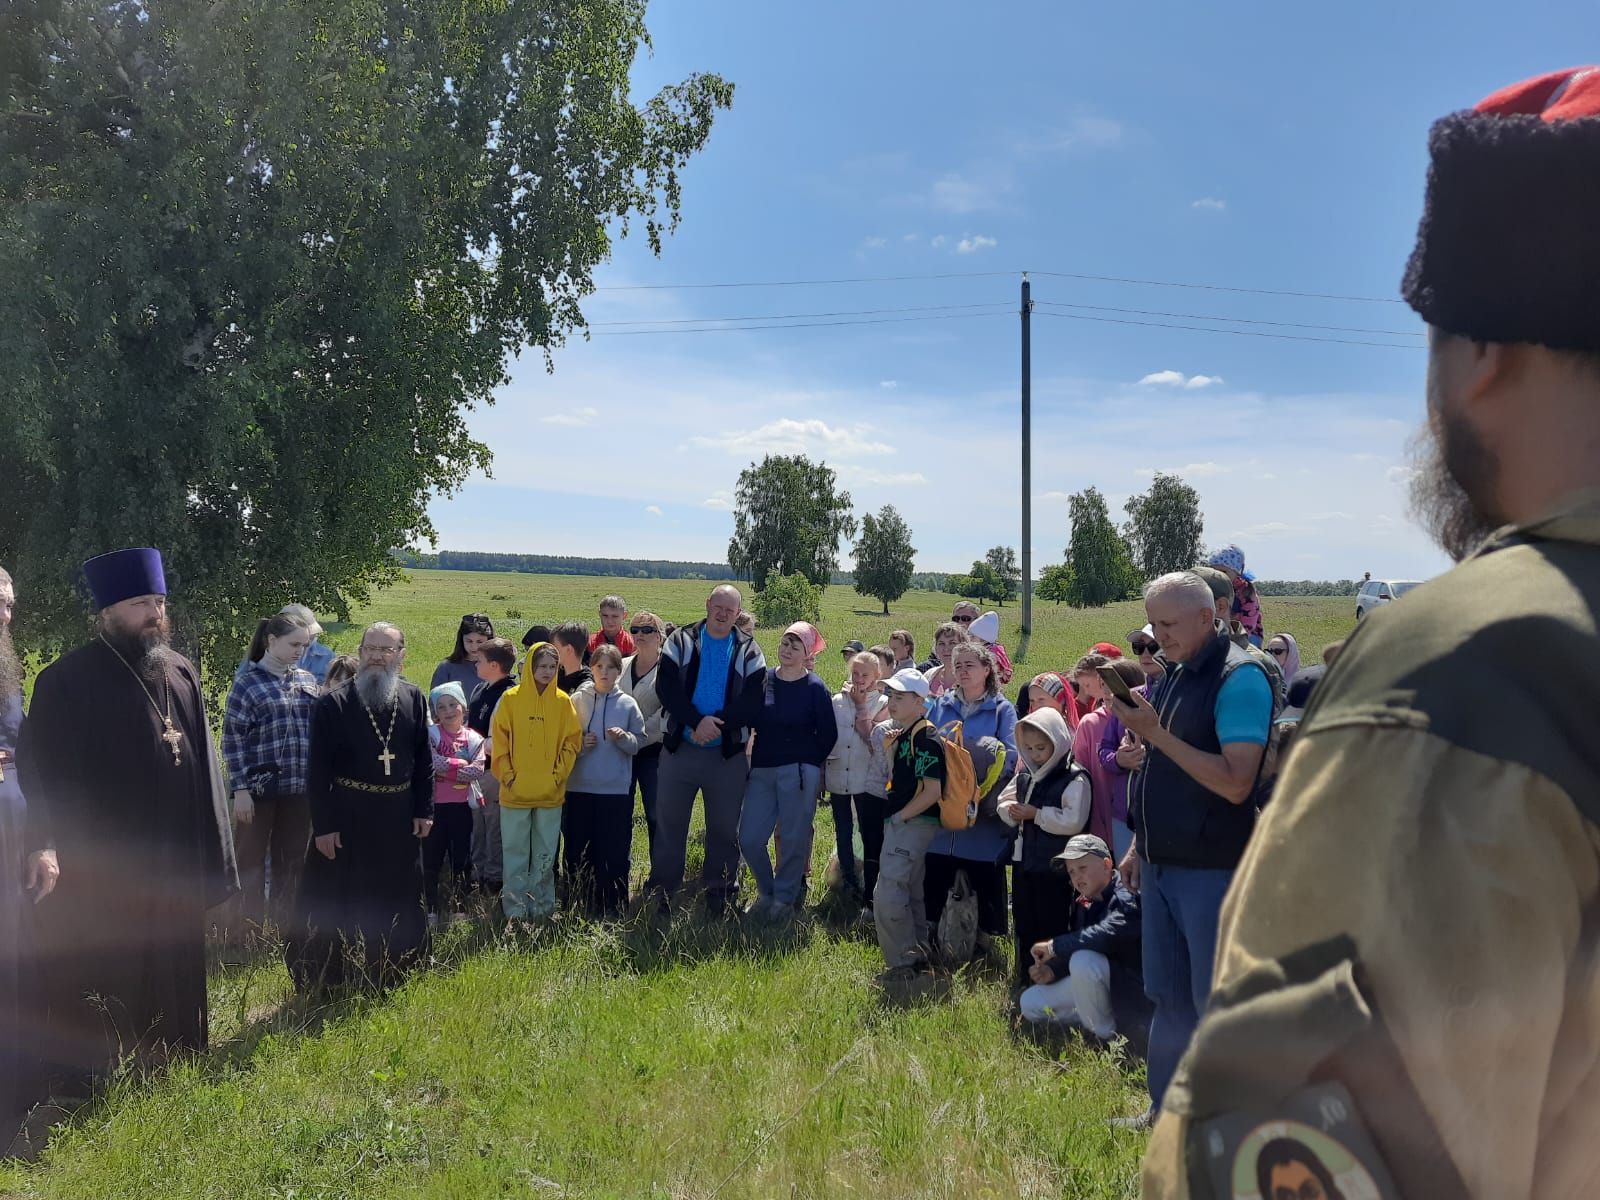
[382, 789]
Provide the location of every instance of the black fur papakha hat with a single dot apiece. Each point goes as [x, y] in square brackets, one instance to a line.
[1509, 245]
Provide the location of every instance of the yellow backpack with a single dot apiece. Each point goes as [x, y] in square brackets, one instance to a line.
[958, 799]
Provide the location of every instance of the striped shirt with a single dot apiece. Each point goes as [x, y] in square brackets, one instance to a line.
[266, 729]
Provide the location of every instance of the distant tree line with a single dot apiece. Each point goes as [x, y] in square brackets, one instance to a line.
[564, 564]
[1307, 587]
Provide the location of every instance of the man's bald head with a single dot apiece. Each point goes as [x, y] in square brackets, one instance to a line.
[722, 609]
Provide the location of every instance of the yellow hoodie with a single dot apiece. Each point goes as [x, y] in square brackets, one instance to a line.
[536, 741]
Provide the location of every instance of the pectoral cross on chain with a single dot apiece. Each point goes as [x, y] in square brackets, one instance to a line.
[174, 740]
[387, 759]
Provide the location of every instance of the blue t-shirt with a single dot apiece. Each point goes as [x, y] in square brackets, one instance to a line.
[711, 684]
[1244, 708]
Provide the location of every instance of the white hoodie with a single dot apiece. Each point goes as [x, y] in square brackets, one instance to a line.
[1073, 815]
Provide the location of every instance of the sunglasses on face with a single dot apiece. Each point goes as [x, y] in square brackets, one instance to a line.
[1143, 647]
[642, 630]
[1277, 652]
[964, 620]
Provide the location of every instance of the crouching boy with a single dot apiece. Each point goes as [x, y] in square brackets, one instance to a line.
[1090, 976]
[916, 782]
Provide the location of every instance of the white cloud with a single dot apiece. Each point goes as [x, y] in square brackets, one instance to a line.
[653, 509]
[962, 194]
[888, 385]
[1061, 496]
[909, 237]
[1332, 516]
[1400, 474]
[1210, 204]
[971, 245]
[1180, 380]
[1194, 470]
[1089, 132]
[1268, 529]
[718, 500]
[874, 243]
[885, 478]
[937, 240]
[575, 419]
[789, 436]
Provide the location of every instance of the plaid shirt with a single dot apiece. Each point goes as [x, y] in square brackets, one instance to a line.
[266, 729]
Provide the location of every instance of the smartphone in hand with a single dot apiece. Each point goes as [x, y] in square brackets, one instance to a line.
[1114, 684]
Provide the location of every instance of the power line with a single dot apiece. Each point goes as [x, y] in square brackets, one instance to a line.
[1286, 337]
[667, 287]
[1217, 287]
[1144, 312]
[917, 278]
[859, 312]
[1006, 312]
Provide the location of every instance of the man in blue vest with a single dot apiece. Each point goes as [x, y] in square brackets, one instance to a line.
[1193, 804]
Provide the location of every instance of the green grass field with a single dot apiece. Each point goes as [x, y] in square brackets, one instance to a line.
[695, 1060]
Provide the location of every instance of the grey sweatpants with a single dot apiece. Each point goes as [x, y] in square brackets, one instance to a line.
[487, 852]
[898, 909]
[685, 772]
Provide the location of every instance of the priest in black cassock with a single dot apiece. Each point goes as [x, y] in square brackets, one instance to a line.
[369, 781]
[126, 801]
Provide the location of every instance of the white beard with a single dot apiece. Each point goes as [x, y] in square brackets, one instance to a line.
[377, 686]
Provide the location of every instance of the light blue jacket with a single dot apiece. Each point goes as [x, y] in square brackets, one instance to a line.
[994, 716]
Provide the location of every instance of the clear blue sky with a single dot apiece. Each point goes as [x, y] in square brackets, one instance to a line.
[1256, 146]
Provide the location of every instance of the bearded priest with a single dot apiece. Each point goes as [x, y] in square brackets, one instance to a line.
[128, 836]
[369, 781]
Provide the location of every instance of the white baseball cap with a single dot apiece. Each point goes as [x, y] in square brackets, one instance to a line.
[909, 680]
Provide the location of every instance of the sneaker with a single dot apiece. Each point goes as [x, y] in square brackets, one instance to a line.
[756, 909]
[1141, 1123]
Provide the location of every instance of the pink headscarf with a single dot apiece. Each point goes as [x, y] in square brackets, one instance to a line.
[809, 637]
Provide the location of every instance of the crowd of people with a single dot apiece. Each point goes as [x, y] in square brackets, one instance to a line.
[358, 813]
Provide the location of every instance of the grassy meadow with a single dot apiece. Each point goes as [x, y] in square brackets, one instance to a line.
[682, 1059]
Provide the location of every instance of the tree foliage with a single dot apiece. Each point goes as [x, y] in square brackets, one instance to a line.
[787, 599]
[1057, 584]
[1165, 526]
[564, 564]
[263, 257]
[1100, 562]
[1003, 569]
[885, 556]
[788, 516]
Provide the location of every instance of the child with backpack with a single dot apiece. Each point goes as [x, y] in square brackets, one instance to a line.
[1046, 802]
[916, 786]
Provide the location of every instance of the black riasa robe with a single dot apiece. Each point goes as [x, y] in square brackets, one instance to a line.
[16, 935]
[145, 847]
[370, 893]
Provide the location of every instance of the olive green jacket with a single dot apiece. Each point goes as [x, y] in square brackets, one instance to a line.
[1418, 913]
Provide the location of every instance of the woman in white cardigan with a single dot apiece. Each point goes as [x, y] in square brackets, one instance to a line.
[639, 681]
[847, 775]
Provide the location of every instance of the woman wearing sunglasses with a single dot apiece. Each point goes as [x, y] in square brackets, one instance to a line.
[1286, 650]
[638, 680]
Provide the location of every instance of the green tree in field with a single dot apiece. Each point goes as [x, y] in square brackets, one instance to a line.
[262, 258]
[1099, 560]
[787, 599]
[1002, 564]
[885, 556]
[1056, 584]
[788, 516]
[1165, 526]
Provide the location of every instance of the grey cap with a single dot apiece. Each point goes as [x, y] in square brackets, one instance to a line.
[1083, 845]
[852, 647]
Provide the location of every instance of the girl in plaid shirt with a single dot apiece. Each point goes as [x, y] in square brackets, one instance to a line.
[266, 735]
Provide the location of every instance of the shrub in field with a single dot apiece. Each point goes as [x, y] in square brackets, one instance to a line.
[787, 599]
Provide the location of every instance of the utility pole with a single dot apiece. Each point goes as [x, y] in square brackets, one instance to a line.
[1027, 470]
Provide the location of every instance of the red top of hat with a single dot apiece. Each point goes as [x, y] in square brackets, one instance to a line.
[1558, 96]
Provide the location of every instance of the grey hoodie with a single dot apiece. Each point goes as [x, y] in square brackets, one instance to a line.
[607, 769]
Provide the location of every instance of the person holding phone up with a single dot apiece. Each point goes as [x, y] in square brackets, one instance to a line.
[1204, 728]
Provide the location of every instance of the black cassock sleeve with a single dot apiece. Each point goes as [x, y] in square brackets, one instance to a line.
[325, 718]
[45, 767]
[421, 759]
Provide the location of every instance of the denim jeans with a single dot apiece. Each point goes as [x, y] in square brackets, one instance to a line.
[1181, 908]
[782, 799]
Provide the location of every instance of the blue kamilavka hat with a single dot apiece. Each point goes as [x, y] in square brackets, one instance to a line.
[124, 574]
